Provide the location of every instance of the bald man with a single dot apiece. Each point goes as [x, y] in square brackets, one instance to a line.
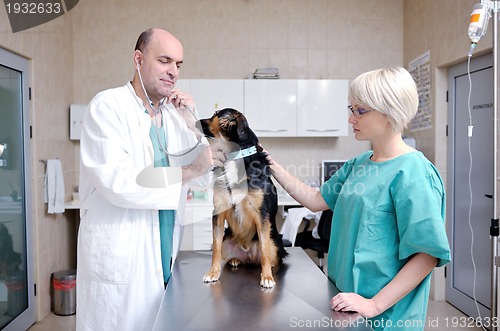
[129, 234]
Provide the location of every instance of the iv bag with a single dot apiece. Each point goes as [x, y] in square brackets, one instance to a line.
[479, 21]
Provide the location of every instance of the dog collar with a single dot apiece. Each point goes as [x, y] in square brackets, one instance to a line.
[242, 153]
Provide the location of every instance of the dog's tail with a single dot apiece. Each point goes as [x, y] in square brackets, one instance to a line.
[282, 253]
[278, 239]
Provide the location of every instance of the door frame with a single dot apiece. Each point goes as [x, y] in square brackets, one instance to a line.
[8, 59]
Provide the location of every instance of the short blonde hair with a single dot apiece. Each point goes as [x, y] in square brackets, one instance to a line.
[390, 91]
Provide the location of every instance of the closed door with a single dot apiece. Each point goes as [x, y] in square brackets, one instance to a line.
[470, 234]
[17, 311]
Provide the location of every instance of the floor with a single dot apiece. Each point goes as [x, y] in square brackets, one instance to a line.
[55, 323]
[441, 317]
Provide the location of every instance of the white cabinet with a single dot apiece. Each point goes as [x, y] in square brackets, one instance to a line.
[271, 107]
[277, 107]
[75, 119]
[211, 94]
[184, 85]
[198, 229]
[322, 108]
[202, 228]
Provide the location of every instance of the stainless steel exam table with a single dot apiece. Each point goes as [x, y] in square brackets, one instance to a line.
[300, 299]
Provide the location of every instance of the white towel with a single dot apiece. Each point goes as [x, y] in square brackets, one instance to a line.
[293, 220]
[314, 233]
[54, 187]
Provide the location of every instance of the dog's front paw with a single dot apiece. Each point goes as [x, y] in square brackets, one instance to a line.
[211, 276]
[267, 282]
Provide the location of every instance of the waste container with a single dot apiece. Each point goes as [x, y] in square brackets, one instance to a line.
[17, 297]
[64, 292]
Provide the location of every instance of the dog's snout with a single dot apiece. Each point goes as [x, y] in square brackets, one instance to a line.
[205, 127]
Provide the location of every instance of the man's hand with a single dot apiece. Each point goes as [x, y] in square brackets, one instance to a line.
[211, 156]
[180, 99]
[185, 107]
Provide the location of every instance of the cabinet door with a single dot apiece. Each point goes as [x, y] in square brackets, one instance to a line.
[212, 94]
[198, 227]
[271, 107]
[202, 228]
[184, 85]
[322, 108]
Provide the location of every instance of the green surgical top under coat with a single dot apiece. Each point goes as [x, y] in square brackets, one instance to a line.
[166, 217]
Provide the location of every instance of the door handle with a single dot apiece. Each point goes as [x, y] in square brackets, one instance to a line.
[489, 196]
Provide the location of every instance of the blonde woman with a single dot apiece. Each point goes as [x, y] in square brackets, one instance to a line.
[388, 208]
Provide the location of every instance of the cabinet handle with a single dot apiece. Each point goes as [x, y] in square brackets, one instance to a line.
[325, 130]
[269, 130]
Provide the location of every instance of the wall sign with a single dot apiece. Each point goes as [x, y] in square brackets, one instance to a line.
[420, 69]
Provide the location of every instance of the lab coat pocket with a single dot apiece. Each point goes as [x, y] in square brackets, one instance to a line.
[110, 249]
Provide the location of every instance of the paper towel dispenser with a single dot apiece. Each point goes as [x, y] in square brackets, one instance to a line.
[75, 120]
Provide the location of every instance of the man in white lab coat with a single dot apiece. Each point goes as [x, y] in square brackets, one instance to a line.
[120, 276]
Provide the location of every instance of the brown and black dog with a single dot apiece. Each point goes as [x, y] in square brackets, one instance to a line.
[245, 197]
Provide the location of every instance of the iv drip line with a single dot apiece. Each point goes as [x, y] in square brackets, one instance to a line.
[469, 134]
[477, 28]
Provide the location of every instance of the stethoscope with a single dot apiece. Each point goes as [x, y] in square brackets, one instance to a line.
[160, 112]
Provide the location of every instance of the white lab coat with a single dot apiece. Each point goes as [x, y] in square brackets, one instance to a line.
[119, 271]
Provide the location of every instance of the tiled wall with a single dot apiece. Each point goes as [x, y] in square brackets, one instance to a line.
[90, 49]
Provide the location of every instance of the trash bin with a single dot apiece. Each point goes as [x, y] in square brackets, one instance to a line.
[17, 297]
[64, 292]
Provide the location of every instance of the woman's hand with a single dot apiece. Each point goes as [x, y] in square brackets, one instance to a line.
[268, 156]
[352, 302]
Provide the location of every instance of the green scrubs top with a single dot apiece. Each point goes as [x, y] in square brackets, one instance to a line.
[166, 217]
[383, 214]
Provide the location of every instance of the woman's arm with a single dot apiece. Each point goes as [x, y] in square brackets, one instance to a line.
[306, 195]
[414, 271]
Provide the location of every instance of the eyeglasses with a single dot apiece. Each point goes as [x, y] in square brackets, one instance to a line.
[358, 112]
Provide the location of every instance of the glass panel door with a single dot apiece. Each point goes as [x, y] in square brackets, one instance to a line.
[16, 283]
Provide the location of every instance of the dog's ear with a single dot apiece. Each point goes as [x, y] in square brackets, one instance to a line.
[243, 129]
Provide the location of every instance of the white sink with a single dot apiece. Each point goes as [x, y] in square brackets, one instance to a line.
[9, 206]
[6, 198]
